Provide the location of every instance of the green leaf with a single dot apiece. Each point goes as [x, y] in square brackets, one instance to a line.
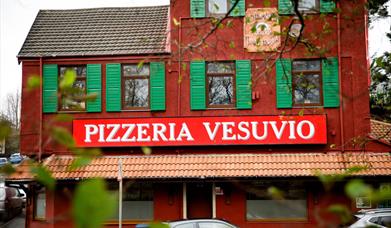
[5, 129]
[146, 150]
[7, 169]
[140, 64]
[266, 3]
[254, 28]
[342, 211]
[63, 137]
[93, 204]
[69, 78]
[64, 118]
[79, 162]
[357, 188]
[158, 225]
[231, 44]
[33, 82]
[43, 175]
[230, 24]
[275, 193]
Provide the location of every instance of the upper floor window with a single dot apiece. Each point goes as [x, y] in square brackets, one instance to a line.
[220, 84]
[135, 84]
[310, 82]
[74, 98]
[306, 82]
[285, 7]
[217, 7]
[309, 6]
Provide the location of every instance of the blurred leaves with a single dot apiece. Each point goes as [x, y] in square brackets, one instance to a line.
[43, 175]
[67, 80]
[7, 169]
[342, 211]
[275, 193]
[5, 129]
[63, 136]
[33, 82]
[93, 204]
[146, 150]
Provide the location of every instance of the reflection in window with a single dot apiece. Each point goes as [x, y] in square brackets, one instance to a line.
[309, 5]
[74, 99]
[306, 82]
[220, 78]
[216, 7]
[40, 204]
[136, 86]
[260, 206]
[137, 201]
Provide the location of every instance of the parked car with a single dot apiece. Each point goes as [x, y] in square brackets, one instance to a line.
[380, 217]
[15, 158]
[11, 202]
[3, 161]
[195, 223]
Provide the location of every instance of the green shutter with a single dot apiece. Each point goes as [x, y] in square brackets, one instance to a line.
[284, 83]
[49, 88]
[243, 84]
[327, 6]
[330, 82]
[158, 86]
[94, 87]
[240, 9]
[285, 7]
[113, 87]
[197, 8]
[197, 85]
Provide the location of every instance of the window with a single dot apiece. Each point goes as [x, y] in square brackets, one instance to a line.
[224, 84]
[309, 6]
[306, 81]
[220, 84]
[73, 99]
[261, 206]
[135, 84]
[218, 7]
[40, 204]
[137, 201]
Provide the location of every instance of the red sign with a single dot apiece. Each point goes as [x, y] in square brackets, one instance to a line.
[243, 130]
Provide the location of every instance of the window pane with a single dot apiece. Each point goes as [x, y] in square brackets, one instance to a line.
[217, 6]
[220, 90]
[307, 5]
[81, 71]
[307, 65]
[276, 209]
[75, 100]
[136, 92]
[135, 70]
[221, 67]
[40, 205]
[307, 89]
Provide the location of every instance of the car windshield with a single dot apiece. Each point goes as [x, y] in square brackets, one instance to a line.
[3, 160]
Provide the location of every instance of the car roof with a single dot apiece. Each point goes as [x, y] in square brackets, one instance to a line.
[376, 210]
[197, 220]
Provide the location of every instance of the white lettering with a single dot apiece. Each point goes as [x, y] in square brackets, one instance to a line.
[91, 129]
[142, 132]
[185, 133]
[114, 129]
[278, 132]
[227, 129]
[158, 130]
[292, 129]
[172, 131]
[130, 128]
[299, 129]
[211, 134]
[244, 130]
[255, 133]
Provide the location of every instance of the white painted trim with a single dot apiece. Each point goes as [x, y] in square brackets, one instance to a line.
[184, 200]
[214, 200]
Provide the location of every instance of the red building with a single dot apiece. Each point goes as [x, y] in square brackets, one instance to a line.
[230, 106]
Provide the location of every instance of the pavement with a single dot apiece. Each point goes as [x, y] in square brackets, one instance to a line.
[16, 222]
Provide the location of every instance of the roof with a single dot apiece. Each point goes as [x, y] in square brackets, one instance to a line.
[98, 31]
[381, 131]
[217, 166]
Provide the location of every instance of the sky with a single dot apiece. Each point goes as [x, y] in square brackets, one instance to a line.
[17, 16]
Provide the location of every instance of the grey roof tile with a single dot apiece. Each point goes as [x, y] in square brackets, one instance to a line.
[98, 31]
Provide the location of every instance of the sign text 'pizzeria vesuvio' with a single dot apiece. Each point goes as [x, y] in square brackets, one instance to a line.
[201, 131]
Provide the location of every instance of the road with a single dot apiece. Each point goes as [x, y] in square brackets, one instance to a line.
[17, 222]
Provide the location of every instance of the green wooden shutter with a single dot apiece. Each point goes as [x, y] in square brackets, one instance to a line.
[197, 8]
[197, 85]
[158, 86]
[330, 82]
[243, 84]
[285, 7]
[284, 83]
[113, 87]
[94, 86]
[49, 88]
[327, 6]
[240, 9]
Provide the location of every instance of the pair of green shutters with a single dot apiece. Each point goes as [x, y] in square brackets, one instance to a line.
[285, 7]
[330, 83]
[113, 87]
[198, 88]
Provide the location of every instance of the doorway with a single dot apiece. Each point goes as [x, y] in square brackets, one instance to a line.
[199, 200]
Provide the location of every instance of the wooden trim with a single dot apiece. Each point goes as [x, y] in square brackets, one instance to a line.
[307, 72]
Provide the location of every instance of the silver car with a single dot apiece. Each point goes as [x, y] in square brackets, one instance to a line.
[380, 217]
[201, 223]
